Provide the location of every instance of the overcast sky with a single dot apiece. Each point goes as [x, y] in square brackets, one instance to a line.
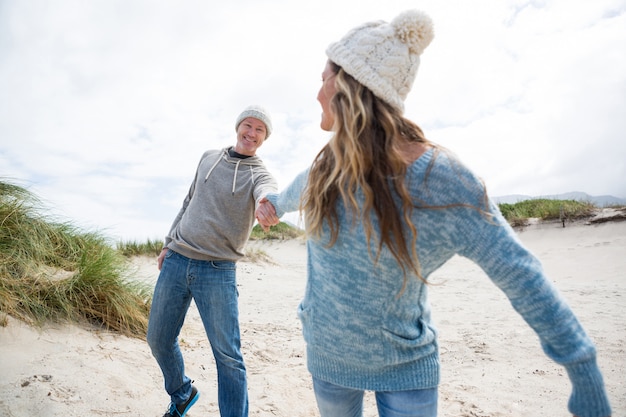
[107, 105]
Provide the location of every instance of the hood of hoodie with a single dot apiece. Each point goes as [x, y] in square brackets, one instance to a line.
[250, 162]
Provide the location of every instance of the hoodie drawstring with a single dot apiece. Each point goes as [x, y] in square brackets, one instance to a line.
[212, 168]
[234, 177]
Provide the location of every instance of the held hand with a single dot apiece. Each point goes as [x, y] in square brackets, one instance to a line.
[266, 214]
[161, 257]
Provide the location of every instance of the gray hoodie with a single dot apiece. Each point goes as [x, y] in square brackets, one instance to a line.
[217, 215]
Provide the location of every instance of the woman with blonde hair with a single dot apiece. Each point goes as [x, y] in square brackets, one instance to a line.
[384, 208]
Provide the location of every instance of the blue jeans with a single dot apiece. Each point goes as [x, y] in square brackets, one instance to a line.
[336, 401]
[213, 287]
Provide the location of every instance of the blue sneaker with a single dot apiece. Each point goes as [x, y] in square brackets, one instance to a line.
[180, 410]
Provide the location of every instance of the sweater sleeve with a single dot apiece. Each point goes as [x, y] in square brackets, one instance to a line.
[520, 275]
[192, 188]
[264, 185]
[479, 232]
[168, 237]
[289, 199]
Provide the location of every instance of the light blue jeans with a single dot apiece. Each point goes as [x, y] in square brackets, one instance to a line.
[336, 401]
[213, 287]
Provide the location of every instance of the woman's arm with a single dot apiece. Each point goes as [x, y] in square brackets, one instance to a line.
[272, 207]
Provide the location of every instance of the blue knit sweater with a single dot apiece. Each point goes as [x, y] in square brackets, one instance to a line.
[361, 331]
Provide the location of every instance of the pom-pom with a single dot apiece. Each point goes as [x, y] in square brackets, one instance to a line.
[415, 28]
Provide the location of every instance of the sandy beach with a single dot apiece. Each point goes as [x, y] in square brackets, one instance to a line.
[492, 364]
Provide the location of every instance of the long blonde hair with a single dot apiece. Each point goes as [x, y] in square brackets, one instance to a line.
[365, 154]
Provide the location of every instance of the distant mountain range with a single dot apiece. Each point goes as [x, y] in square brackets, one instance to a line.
[600, 200]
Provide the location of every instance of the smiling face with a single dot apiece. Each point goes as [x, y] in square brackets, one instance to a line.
[251, 134]
[326, 93]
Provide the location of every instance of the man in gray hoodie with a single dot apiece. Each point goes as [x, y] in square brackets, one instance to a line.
[198, 262]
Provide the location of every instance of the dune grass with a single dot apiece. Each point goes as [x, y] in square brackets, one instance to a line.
[281, 231]
[544, 209]
[133, 248]
[153, 248]
[51, 271]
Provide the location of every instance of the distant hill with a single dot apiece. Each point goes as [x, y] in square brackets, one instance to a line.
[600, 200]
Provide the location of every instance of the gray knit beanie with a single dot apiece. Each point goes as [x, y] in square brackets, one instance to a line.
[383, 56]
[259, 113]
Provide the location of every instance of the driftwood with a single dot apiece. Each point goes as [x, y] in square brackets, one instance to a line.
[608, 215]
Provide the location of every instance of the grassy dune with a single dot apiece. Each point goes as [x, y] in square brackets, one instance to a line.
[52, 271]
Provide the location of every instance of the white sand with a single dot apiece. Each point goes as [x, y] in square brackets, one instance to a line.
[492, 363]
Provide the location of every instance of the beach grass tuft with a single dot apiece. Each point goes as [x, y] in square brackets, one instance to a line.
[51, 270]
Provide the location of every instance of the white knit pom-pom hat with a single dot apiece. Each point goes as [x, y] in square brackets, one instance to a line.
[383, 56]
